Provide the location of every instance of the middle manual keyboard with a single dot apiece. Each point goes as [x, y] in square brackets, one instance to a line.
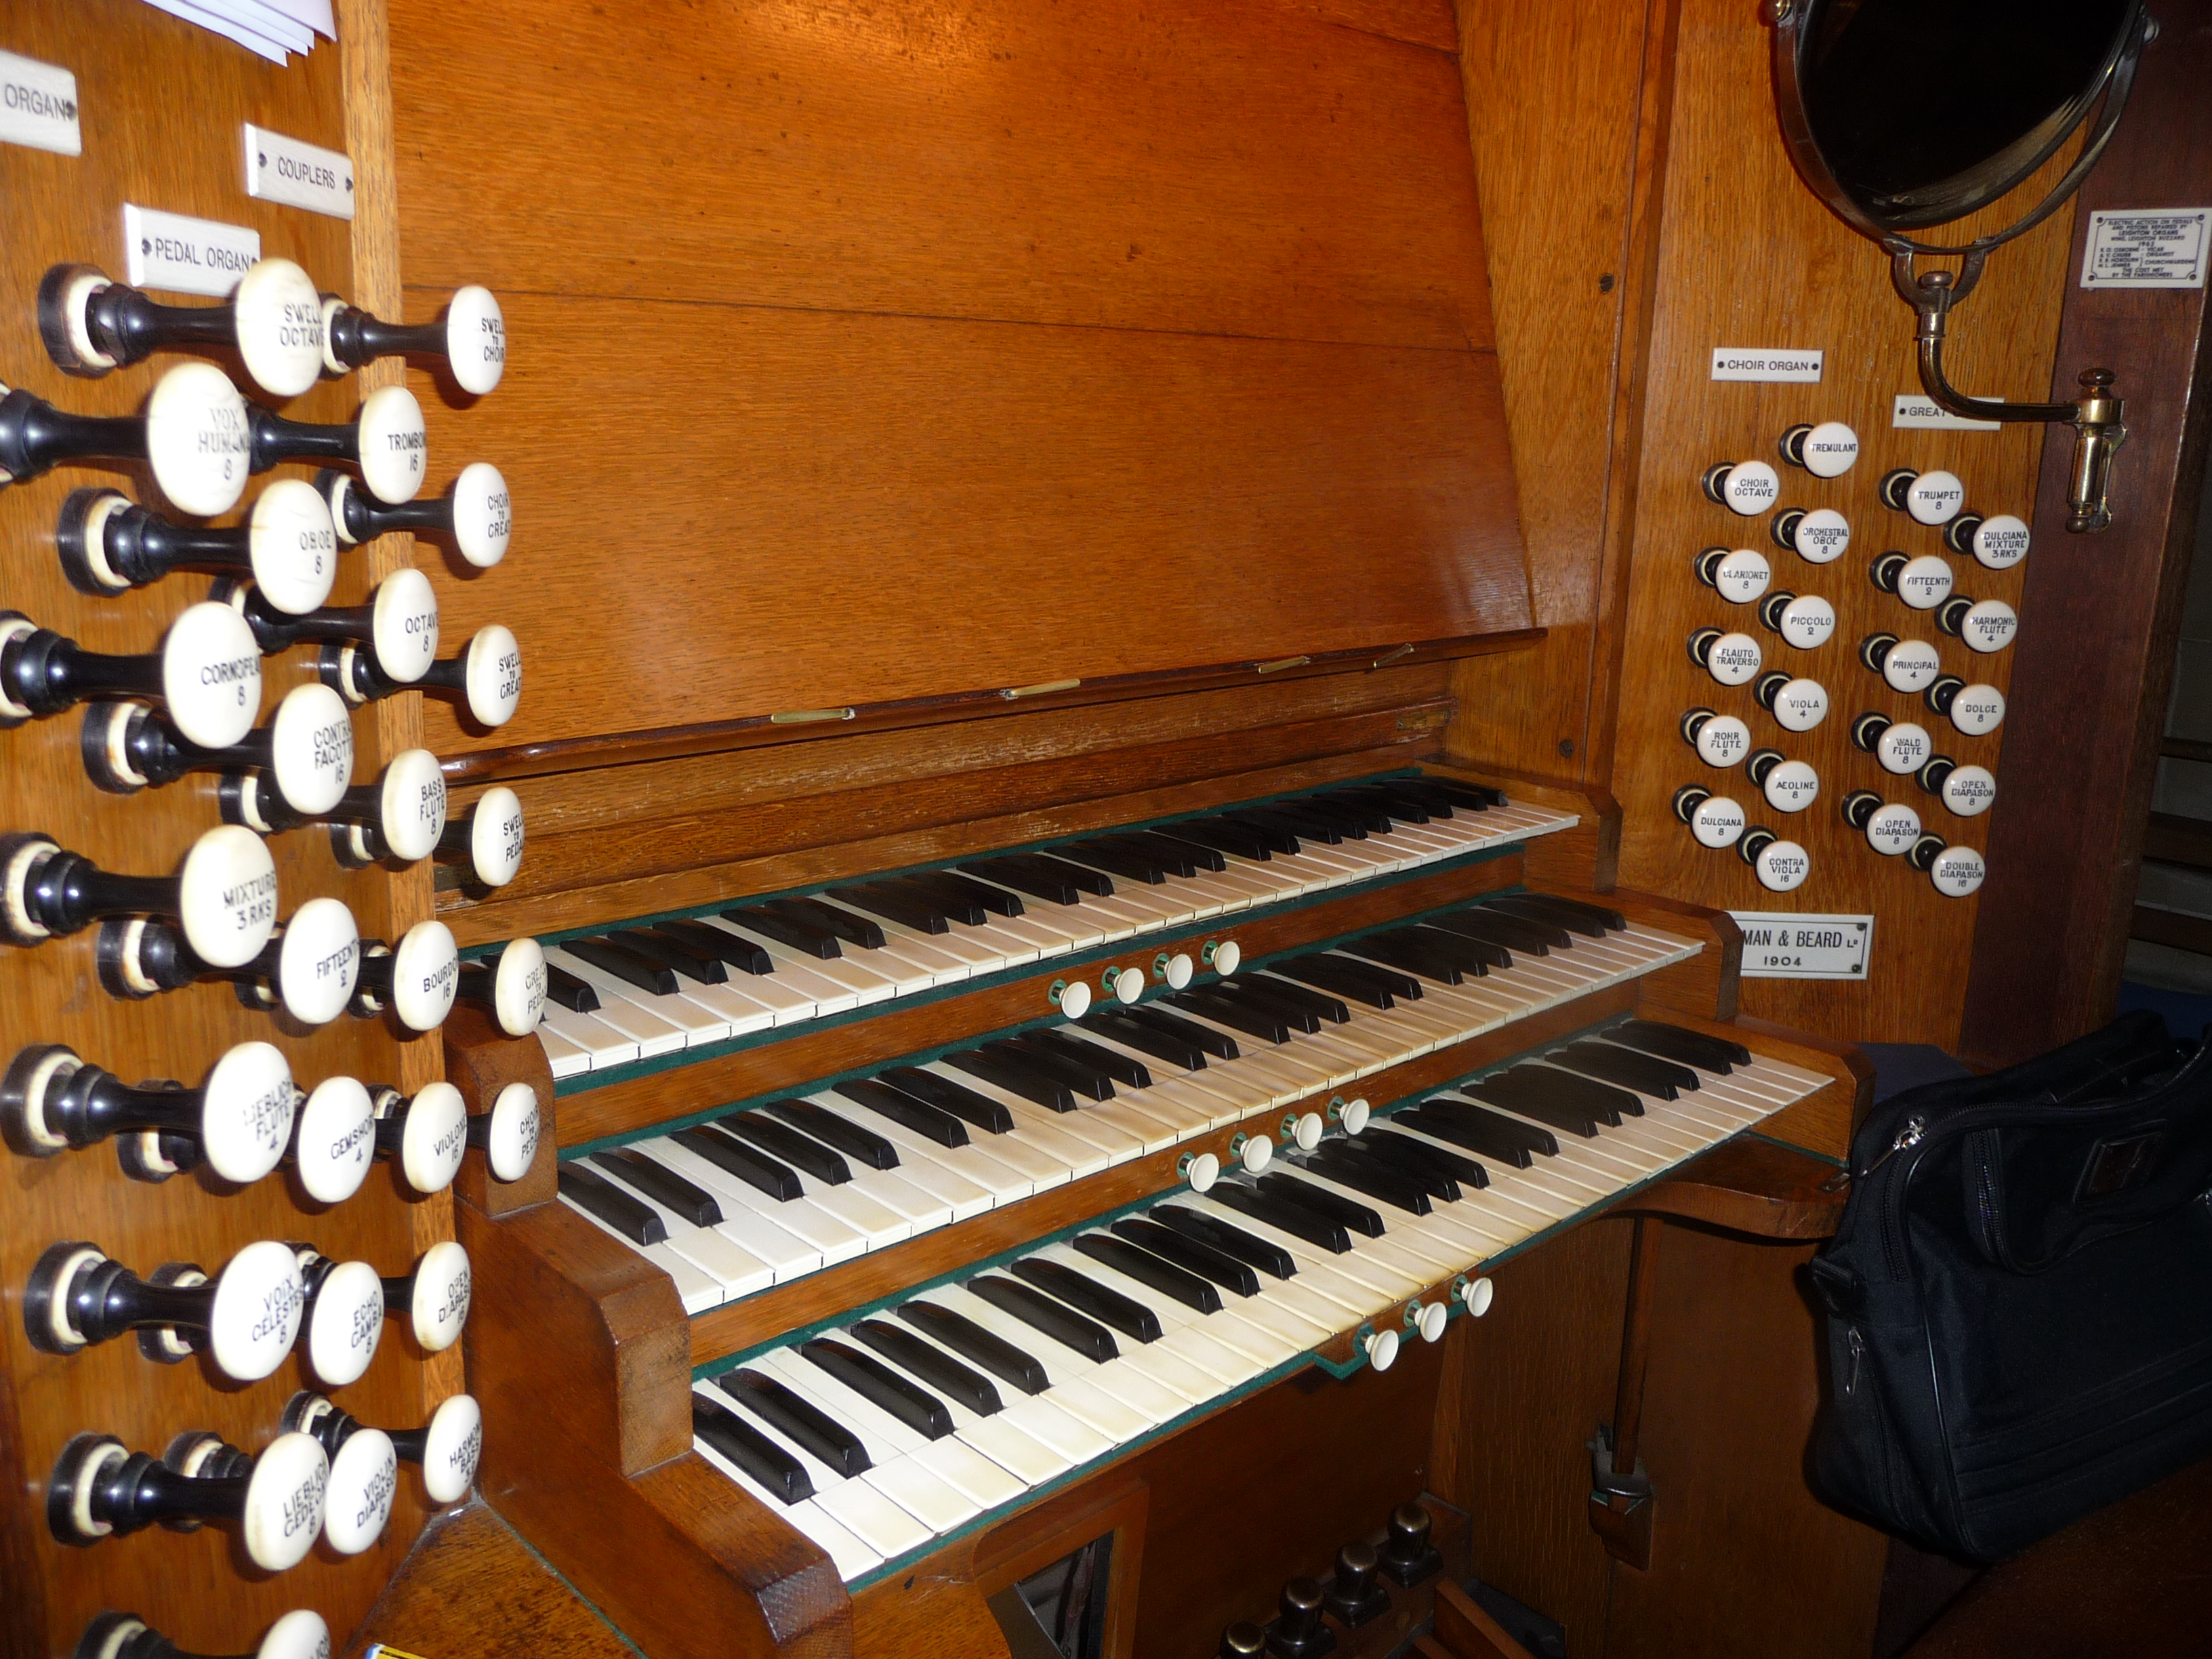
[745, 1199]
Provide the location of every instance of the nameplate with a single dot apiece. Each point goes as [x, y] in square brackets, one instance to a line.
[38, 105]
[1918, 409]
[1766, 363]
[2145, 247]
[1780, 945]
[185, 256]
[297, 173]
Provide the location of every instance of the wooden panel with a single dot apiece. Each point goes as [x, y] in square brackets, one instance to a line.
[162, 103]
[1085, 502]
[1572, 234]
[1423, 22]
[469, 1572]
[1213, 166]
[2096, 653]
[1750, 258]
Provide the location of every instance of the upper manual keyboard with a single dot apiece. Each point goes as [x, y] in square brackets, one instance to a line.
[638, 993]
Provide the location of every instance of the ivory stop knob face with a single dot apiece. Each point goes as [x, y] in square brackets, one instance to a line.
[320, 962]
[403, 625]
[518, 987]
[1259, 1152]
[1821, 536]
[1355, 1116]
[336, 1140]
[1989, 626]
[435, 1137]
[476, 339]
[255, 1317]
[451, 1447]
[196, 441]
[1307, 1129]
[1382, 1350]
[393, 443]
[1893, 830]
[1978, 710]
[1829, 450]
[1717, 822]
[1969, 791]
[495, 846]
[311, 748]
[1129, 985]
[284, 1499]
[245, 1114]
[211, 675]
[511, 1138]
[1732, 659]
[492, 675]
[227, 898]
[426, 973]
[1782, 865]
[413, 803]
[1432, 1321]
[1924, 582]
[1902, 747]
[440, 1306]
[1750, 488]
[1934, 498]
[484, 516]
[346, 1323]
[2000, 542]
[1722, 740]
[278, 316]
[1957, 871]
[1912, 666]
[294, 546]
[1791, 787]
[1205, 1169]
[1742, 575]
[300, 1634]
[1178, 970]
[1801, 705]
[1075, 999]
[1806, 621]
[364, 1478]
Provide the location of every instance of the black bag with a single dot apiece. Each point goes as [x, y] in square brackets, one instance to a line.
[2019, 1297]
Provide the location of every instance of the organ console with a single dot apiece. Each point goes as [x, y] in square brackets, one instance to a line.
[1200, 747]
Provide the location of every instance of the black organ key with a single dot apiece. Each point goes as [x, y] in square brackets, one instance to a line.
[593, 1193]
[1120, 1067]
[1086, 1080]
[1408, 955]
[948, 898]
[909, 909]
[625, 964]
[1180, 858]
[932, 1365]
[690, 961]
[1320, 1004]
[1476, 955]
[1544, 1107]
[1026, 1081]
[1346, 809]
[1071, 1329]
[781, 1140]
[1228, 1239]
[1219, 836]
[1443, 1171]
[1053, 879]
[806, 938]
[1200, 1262]
[972, 1341]
[1300, 826]
[1251, 1020]
[1110, 1307]
[949, 887]
[661, 1184]
[1107, 852]
[1296, 1220]
[752, 1451]
[839, 924]
[565, 989]
[1311, 823]
[1341, 975]
[1535, 908]
[831, 1130]
[1499, 1138]
[1348, 1213]
[1135, 1033]
[1603, 915]
[1203, 1038]
[1372, 1176]
[881, 1387]
[1603, 1101]
[1707, 1053]
[941, 1129]
[741, 954]
[1402, 805]
[965, 1104]
[1646, 1073]
[1256, 996]
[812, 1429]
[733, 1157]
[1534, 938]
[1475, 797]
[1188, 1288]
[1278, 837]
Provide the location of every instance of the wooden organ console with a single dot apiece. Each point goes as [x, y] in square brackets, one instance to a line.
[1158, 649]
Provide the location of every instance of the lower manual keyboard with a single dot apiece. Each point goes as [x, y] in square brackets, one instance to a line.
[882, 1434]
[769, 1195]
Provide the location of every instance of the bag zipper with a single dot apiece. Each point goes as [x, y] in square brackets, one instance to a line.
[1857, 1344]
[1892, 1240]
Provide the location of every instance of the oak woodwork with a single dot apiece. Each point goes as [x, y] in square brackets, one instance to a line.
[162, 102]
[1464, 1630]
[481, 1060]
[1751, 1186]
[2064, 854]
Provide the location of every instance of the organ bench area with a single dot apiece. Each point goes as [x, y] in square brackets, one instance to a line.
[1154, 663]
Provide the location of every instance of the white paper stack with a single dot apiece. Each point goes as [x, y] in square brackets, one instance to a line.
[269, 27]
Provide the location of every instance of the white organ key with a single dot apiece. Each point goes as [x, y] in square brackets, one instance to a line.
[786, 1253]
[1046, 920]
[878, 1523]
[836, 983]
[1015, 1174]
[616, 1032]
[1325, 1273]
[847, 1553]
[698, 1291]
[722, 1259]
[626, 1007]
[1069, 1390]
[837, 1237]
[892, 1446]
[567, 1059]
